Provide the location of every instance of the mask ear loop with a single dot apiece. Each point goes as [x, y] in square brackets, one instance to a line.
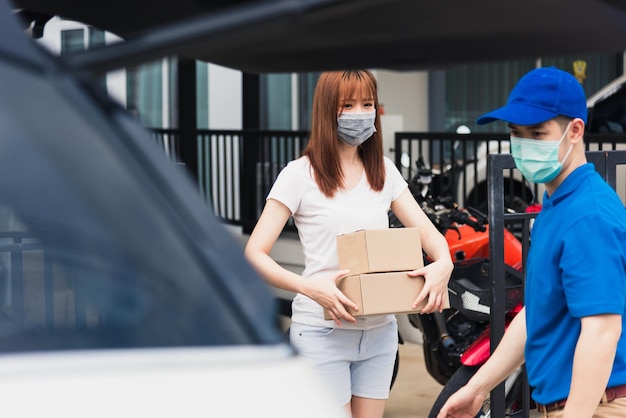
[571, 146]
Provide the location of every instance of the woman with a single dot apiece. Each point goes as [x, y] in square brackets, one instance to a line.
[343, 183]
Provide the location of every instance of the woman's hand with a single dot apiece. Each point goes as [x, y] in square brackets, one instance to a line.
[325, 292]
[465, 403]
[435, 292]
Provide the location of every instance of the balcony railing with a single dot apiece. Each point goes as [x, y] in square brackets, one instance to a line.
[236, 169]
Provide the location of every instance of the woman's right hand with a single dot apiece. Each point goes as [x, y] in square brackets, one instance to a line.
[325, 292]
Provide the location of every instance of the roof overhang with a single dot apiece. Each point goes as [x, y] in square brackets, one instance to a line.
[314, 35]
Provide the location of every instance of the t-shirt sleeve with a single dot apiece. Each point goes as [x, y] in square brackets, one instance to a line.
[396, 182]
[595, 283]
[288, 186]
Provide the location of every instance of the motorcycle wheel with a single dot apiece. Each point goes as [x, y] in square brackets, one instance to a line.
[456, 382]
[460, 379]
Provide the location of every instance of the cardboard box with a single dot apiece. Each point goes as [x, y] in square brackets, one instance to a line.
[380, 250]
[381, 293]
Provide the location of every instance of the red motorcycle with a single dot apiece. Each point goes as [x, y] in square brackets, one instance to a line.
[457, 341]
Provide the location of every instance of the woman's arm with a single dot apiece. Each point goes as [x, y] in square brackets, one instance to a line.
[267, 230]
[324, 291]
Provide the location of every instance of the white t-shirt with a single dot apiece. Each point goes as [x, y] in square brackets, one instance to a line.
[320, 219]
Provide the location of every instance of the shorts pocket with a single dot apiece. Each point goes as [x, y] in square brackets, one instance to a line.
[309, 332]
[311, 341]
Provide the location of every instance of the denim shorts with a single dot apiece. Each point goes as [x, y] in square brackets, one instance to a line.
[353, 362]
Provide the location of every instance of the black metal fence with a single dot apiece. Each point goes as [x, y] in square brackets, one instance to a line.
[236, 169]
[460, 160]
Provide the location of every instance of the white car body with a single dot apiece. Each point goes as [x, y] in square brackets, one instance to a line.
[185, 382]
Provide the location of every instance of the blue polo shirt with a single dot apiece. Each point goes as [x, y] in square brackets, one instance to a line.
[576, 267]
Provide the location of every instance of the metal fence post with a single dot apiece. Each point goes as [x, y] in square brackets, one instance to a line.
[497, 163]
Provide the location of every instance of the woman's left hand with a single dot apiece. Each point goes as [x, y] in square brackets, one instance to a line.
[435, 292]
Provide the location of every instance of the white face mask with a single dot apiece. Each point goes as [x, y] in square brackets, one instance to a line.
[356, 128]
[537, 160]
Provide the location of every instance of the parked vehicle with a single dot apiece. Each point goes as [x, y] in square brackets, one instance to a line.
[457, 341]
[461, 172]
[121, 294]
[429, 189]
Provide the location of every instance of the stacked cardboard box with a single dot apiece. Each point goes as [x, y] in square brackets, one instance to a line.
[378, 260]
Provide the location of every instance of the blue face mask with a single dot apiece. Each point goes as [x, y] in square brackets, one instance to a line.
[356, 128]
[538, 160]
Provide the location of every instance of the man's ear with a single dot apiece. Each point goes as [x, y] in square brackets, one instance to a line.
[577, 130]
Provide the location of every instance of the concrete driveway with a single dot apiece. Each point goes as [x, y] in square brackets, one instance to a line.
[414, 390]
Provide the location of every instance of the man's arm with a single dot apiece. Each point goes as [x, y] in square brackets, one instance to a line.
[593, 360]
[508, 356]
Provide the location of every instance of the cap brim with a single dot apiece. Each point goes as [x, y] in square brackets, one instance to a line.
[518, 114]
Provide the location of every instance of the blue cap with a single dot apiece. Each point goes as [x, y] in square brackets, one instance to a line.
[540, 95]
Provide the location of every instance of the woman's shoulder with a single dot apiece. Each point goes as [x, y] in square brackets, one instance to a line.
[302, 161]
[299, 164]
[389, 165]
[388, 161]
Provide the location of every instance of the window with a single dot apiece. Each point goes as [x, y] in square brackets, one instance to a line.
[202, 94]
[72, 40]
[286, 101]
[145, 94]
[307, 83]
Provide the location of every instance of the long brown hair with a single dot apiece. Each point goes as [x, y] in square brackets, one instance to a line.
[333, 88]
